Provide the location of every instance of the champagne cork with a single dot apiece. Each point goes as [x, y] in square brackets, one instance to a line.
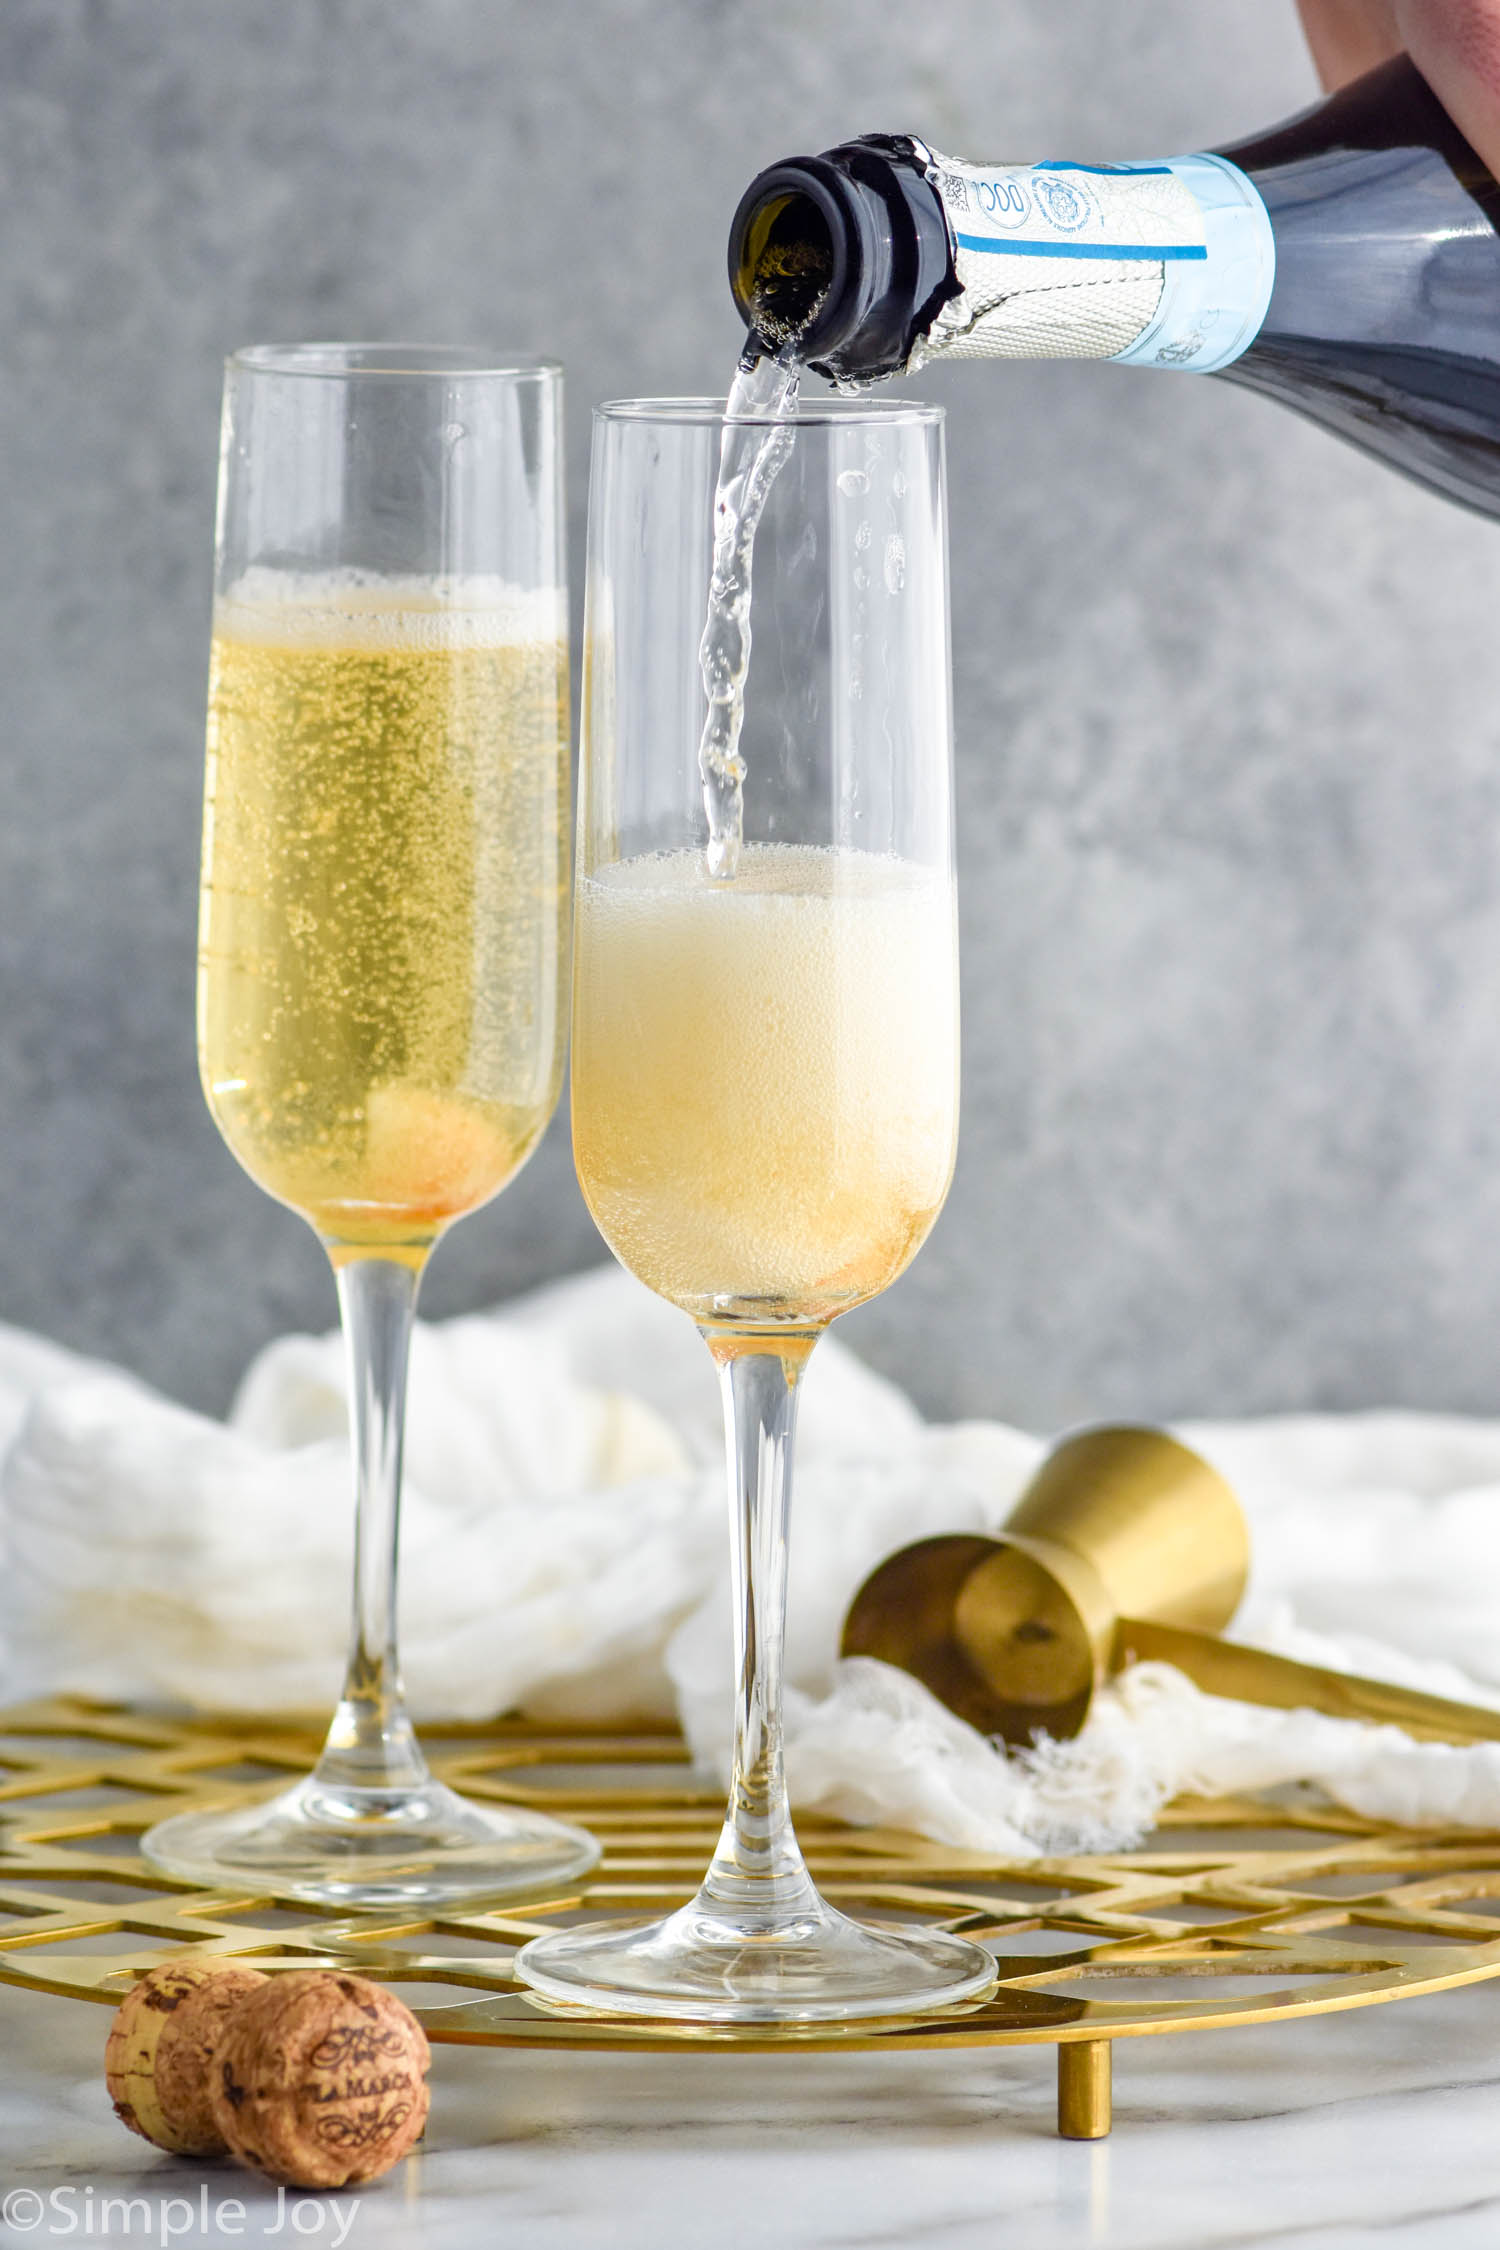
[319, 2080]
[160, 2047]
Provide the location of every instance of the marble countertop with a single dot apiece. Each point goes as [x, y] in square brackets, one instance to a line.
[1377, 2126]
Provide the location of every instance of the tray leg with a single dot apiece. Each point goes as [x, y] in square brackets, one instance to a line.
[1083, 2109]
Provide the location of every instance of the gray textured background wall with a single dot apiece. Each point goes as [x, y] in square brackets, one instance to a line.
[1228, 697]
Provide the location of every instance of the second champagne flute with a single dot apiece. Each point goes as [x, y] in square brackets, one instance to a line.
[765, 1060]
[382, 957]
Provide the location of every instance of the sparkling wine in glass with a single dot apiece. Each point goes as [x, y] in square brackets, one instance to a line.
[382, 960]
[765, 1062]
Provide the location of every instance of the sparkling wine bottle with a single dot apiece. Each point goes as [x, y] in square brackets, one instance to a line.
[1346, 263]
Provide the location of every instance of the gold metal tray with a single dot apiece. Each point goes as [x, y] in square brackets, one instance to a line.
[1234, 1912]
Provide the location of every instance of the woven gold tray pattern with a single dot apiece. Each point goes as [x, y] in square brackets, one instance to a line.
[1232, 1913]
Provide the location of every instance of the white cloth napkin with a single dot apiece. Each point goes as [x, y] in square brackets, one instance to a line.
[564, 1551]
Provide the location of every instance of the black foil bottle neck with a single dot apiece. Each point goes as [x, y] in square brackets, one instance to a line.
[877, 258]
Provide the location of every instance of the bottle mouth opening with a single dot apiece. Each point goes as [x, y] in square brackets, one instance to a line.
[788, 264]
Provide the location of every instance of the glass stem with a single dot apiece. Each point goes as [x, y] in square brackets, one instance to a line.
[371, 1744]
[758, 1875]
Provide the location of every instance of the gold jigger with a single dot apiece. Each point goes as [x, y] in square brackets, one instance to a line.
[1125, 1544]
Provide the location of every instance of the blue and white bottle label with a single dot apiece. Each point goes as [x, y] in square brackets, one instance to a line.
[1157, 265]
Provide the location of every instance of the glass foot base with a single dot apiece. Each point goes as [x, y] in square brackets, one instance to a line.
[702, 1966]
[363, 1848]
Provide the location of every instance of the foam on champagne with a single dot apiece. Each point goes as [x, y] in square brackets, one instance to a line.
[366, 609]
[765, 1073]
[384, 884]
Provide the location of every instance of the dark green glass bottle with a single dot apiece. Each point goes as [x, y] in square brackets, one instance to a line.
[1346, 263]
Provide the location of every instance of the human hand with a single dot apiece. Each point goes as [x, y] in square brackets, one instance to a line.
[1455, 44]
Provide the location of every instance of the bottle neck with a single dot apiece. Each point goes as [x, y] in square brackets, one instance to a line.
[1165, 264]
[882, 253]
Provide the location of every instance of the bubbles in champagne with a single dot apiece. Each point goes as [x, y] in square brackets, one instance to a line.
[765, 1073]
[787, 272]
[382, 937]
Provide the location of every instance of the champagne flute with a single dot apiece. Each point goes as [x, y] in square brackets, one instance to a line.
[382, 946]
[765, 1065]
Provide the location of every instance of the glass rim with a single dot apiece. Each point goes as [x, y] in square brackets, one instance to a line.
[397, 361]
[692, 413]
